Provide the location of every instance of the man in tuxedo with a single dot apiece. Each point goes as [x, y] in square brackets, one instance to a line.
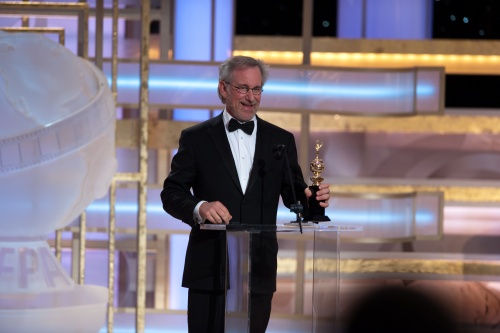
[225, 171]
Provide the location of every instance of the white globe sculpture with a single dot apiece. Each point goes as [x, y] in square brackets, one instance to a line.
[57, 128]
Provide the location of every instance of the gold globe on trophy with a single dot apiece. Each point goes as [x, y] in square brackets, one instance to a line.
[316, 213]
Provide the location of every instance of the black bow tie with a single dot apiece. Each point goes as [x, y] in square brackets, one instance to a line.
[246, 127]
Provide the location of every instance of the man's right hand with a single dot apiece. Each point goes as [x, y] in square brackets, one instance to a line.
[215, 212]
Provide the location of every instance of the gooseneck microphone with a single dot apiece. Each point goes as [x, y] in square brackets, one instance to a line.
[297, 208]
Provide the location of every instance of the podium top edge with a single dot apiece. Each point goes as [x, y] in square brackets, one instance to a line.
[282, 227]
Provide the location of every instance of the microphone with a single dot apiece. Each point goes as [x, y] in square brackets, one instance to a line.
[278, 151]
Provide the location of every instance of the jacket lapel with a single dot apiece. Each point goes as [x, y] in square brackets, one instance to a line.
[218, 136]
[262, 142]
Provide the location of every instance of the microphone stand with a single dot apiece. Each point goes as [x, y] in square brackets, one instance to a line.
[297, 207]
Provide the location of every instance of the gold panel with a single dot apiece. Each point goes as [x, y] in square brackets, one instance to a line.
[446, 124]
[342, 45]
[58, 31]
[456, 56]
[393, 46]
[165, 133]
[416, 266]
[420, 266]
[473, 194]
[161, 133]
[79, 9]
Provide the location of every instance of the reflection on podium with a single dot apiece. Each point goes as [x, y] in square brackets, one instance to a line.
[243, 250]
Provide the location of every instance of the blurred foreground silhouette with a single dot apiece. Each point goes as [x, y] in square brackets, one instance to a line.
[392, 309]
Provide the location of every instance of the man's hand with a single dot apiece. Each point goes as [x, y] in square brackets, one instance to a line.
[322, 195]
[215, 212]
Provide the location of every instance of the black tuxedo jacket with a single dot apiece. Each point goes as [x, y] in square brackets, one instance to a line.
[204, 165]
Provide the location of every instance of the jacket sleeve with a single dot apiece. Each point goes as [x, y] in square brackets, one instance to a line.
[176, 195]
[298, 179]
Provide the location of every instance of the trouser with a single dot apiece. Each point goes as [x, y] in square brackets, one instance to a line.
[206, 311]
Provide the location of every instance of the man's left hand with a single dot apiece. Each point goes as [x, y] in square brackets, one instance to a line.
[322, 195]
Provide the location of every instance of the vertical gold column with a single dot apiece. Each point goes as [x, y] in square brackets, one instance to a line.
[111, 256]
[307, 23]
[300, 277]
[25, 20]
[161, 165]
[99, 32]
[161, 262]
[143, 168]
[305, 123]
[58, 245]
[58, 240]
[81, 248]
[165, 36]
[78, 251]
[114, 51]
[83, 46]
[112, 190]
[83, 32]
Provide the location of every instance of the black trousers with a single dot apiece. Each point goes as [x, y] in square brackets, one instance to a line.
[206, 310]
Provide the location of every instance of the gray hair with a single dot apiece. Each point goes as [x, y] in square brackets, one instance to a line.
[240, 62]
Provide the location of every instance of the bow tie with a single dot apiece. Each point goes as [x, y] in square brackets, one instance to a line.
[246, 127]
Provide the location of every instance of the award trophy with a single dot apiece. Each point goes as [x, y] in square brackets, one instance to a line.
[316, 213]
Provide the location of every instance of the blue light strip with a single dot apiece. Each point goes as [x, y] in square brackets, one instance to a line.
[346, 91]
[354, 91]
[194, 85]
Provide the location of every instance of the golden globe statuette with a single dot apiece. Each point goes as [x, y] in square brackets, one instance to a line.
[316, 213]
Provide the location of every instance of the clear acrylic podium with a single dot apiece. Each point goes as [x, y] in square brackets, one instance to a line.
[326, 271]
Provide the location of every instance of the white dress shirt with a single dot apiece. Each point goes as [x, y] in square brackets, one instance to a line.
[243, 149]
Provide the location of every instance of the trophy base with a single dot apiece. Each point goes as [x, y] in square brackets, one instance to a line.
[317, 219]
[315, 213]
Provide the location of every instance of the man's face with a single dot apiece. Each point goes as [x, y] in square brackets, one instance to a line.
[242, 106]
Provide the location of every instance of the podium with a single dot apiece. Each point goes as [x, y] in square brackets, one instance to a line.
[242, 238]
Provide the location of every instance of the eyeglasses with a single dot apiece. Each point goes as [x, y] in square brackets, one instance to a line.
[245, 90]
